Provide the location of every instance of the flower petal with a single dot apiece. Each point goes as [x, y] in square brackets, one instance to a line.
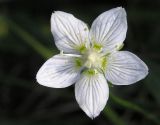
[58, 72]
[70, 33]
[109, 29]
[125, 68]
[92, 94]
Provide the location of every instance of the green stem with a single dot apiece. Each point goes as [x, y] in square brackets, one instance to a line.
[113, 117]
[135, 107]
[30, 40]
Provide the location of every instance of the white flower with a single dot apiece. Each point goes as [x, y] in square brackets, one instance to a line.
[91, 58]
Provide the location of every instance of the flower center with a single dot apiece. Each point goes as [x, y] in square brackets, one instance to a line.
[92, 59]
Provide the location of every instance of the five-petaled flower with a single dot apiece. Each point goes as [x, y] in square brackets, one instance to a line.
[91, 58]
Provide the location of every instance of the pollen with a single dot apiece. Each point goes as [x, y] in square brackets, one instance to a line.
[92, 59]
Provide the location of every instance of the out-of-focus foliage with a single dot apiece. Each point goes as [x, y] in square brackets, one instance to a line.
[26, 42]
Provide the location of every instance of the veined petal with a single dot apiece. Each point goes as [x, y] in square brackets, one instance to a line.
[70, 34]
[92, 93]
[58, 72]
[109, 29]
[125, 68]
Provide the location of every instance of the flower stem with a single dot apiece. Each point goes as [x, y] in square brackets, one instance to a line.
[135, 107]
[113, 116]
[29, 39]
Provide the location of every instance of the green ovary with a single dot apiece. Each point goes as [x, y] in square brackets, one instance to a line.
[97, 47]
[78, 62]
[90, 72]
[82, 48]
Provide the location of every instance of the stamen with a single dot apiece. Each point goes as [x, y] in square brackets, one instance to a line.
[61, 52]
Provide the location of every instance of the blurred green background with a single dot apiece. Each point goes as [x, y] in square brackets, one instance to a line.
[26, 43]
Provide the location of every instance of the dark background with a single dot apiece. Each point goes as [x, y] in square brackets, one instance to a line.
[26, 43]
